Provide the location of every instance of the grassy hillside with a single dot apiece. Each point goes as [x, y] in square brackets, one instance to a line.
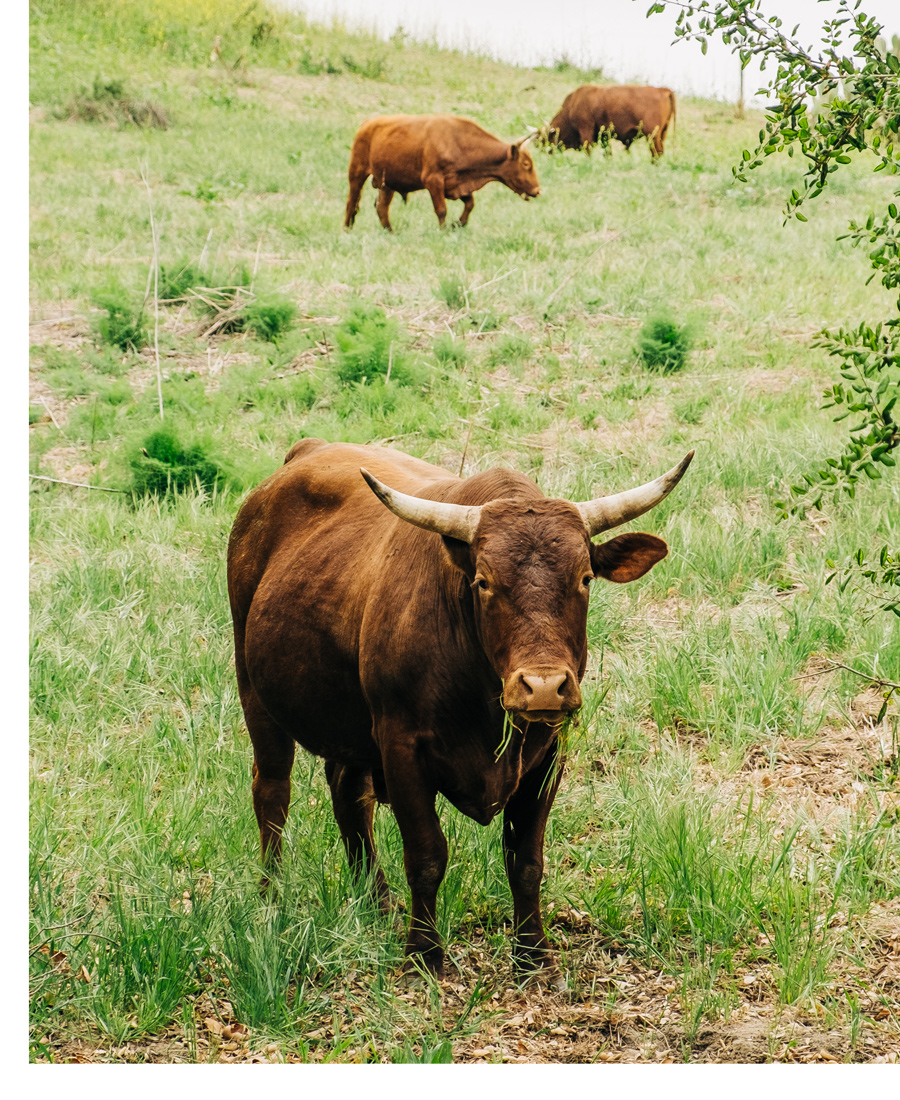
[722, 860]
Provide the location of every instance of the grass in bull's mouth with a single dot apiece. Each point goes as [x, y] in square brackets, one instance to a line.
[722, 873]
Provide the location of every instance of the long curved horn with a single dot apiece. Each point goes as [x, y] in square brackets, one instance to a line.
[606, 512]
[456, 521]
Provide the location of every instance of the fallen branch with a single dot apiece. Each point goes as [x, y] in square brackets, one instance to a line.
[835, 665]
[77, 484]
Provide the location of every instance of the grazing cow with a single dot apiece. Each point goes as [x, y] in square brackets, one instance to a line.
[422, 634]
[622, 111]
[449, 157]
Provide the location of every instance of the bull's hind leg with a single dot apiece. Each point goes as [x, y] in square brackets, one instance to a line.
[273, 758]
[356, 186]
[524, 822]
[353, 799]
[383, 205]
[468, 204]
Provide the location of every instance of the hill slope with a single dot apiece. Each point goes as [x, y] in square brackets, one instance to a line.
[722, 857]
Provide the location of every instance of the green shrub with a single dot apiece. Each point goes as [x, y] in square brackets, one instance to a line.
[175, 282]
[270, 317]
[452, 290]
[123, 326]
[511, 348]
[369, 345]
[163, 466]
[663, 345]
[450, 352]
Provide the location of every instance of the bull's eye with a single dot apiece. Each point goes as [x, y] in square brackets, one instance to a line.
[586, 580]
[481, 584]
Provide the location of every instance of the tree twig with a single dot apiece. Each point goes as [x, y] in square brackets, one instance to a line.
[77, 484]
[50, 414]
[835, 665]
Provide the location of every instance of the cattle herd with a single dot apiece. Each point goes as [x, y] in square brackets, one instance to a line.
[420, 632]
[452, 157]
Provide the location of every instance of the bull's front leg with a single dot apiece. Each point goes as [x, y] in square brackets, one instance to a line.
[424, 847]
[435, 186]
[524, 822]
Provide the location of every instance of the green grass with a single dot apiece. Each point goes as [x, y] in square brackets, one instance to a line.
[508, 343]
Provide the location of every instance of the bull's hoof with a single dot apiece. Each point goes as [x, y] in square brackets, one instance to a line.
[430, 960]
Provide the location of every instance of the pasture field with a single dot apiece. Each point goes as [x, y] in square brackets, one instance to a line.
[723, 858]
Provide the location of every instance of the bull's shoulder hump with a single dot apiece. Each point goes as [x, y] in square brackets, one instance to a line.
[334, 469]
[304, 447]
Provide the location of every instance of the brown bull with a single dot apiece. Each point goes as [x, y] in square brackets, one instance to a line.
[449, 157]
[422, 634]
[622, 111]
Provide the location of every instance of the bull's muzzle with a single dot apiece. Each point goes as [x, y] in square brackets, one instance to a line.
[542, 694]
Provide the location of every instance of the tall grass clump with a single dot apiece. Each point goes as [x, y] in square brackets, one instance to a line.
[370, 346]
[270, 317]
[663, 345]
[176, 281]
[164, 466]
[450, 352]
[452, 291]
[123, 326]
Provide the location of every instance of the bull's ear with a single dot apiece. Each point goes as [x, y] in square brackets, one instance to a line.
[627, 557]
[513, 152]
[460, 554]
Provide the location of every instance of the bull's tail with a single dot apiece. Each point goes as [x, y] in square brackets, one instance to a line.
[672, 105]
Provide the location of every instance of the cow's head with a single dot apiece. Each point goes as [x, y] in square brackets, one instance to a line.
[518, 171]
[530, 563]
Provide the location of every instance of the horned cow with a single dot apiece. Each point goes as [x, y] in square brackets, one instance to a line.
[422, 634]
[450, 157]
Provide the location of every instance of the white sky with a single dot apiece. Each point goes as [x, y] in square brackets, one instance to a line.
[612, 34]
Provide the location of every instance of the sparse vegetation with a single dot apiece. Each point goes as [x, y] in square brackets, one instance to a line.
[722, 864]
[108, 101]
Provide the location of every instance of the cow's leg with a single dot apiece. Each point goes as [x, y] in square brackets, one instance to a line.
[382, 205]
[468, 204]
[657, 140]
[524, 822]
[435, 185]
[587, 135]
[356, 186]
[353, 799]
[273, 757]
[424, 848]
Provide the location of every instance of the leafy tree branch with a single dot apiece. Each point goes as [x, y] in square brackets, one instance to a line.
[831, 103]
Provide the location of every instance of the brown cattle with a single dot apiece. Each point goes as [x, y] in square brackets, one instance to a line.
[450, 157]
[422, 634]
[622, 111]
